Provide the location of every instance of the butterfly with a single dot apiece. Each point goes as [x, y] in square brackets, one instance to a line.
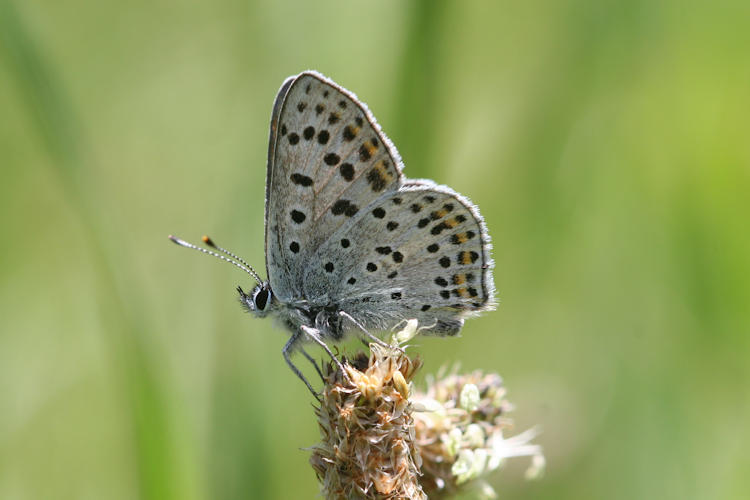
[351, 244]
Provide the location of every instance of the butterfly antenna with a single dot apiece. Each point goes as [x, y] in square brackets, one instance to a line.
[249, 270]
[208, 241]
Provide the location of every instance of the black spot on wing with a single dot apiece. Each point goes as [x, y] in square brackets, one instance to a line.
[297, 216]
[331, 159]
[349, 133]
[344, 207]
[439, 228]
[301, 180]
[347, 171]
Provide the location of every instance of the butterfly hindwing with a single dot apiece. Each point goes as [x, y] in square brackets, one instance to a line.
[328, 160]
[421, 252]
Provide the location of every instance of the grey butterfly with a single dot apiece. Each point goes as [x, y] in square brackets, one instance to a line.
[351, 243]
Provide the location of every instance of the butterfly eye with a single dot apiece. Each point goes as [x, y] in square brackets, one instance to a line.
[261, 299]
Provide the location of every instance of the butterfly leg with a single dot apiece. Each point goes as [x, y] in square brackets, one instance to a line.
[285, 352]
[314, 335]
[312, 361]
[363, 329]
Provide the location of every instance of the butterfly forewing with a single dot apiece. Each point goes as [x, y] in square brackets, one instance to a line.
[421, 252]
[328, 160]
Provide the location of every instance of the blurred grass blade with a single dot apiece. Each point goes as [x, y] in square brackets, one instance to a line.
[414, 130]
[43, 93]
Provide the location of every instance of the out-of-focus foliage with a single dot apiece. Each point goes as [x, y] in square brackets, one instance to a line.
[606, 144]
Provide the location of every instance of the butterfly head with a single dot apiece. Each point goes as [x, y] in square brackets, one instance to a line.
[260, 301]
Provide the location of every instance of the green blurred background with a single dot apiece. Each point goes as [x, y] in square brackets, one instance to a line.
[606, 144]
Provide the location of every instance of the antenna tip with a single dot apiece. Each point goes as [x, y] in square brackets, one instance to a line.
[208, 241]
[178, 241]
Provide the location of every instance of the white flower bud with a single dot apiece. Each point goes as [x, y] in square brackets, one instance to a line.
[469, 399]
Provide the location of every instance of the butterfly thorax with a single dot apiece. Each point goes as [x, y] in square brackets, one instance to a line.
[262, 302]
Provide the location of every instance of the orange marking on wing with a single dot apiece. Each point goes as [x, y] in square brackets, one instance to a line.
[383, 171]
[371, 148]
[452, 222]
